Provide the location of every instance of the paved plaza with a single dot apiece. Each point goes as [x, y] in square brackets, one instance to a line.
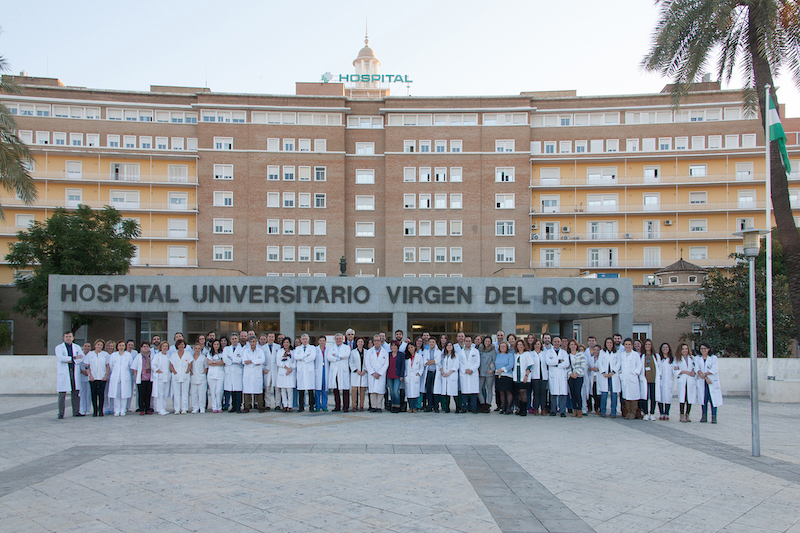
[424, 472]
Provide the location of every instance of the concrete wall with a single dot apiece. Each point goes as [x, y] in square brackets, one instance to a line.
[36, 374]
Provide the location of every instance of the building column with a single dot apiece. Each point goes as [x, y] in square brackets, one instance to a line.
[508, 322]
[565, 328]
[622, 323]
[176, 323]
[288, 324]
[57, 323]
[132, 331]
[399, 321]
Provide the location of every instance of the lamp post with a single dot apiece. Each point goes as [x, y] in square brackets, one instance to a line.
[751, 244]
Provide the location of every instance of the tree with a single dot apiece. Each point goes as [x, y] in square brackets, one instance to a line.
[79, 242]
[760, 37]
[14, 154]
[726, 322]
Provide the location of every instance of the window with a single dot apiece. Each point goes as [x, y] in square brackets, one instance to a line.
[549, 204]
[223, 253]
[225, 172]
[409, 174]
[604, 229]
[698, 252]
[273, 199]
[125, 171]
[223, 198]
[697, 171]
[504, 201]
[731, 141]
[288, 227]
[365, 148]
[744, 171]
[602, 257]
[747, 199]
[504, 228]
[744, 223]
[304, 227]
[696, 198]
[456, 228]
[698, 226]
[681, 143]
[409, 255]
[632, 145]
[320, 145]
[409, 228]
[288, 253]
[425, 174]
[178, 200]
[304, 254]
[504, 145]
[23, 221]
[304, 200]
[440, 255]
[320, 200]
[715, 141]
[440, 174]
[749, 140]
[125, 199]
[612, 145]
[409, 146]
[665, 143]
[440, 201]
[455, 254]
[455, 201]
[365, 255]
[551, 257]
[178, 255]
[161, 143]
[564, 147]
[424, 255]
[692, 279]
[273, 145]
[74, 170]
[698, 142]
[409, 201]
[580, 147]
[320, 254]
[273, 173]
[550, 176]
[455, 146]
[601, 203]
[288, 173]
[504, 255]
[272, 253]
[364, 122]
[74, 197]
[365, 229]
[288, 145]
[651, 201]
[652, 173]
[272, 226]
[673, 279]
[42, 137]
[425, 147]
[649, 144]
[223, 143]
[93, 140]
[455, 174]
[549, 147]
[178, 227]
[225, 225]
[303, 173]
[365, 203]
[601, 175]
[304, 145]
[652, 229]
[365, 176]
[288, 199]
[112, 141]
[180, 173]
[504, 174]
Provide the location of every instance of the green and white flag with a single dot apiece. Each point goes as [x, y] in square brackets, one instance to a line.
[776, 133]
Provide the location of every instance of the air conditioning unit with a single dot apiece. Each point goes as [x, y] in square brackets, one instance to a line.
[564, 229]
[667, 222]
[577, 237]
[628, 236]
[535, 236]
[534, 227]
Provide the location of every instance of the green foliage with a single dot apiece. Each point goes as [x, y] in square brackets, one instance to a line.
[723, 306]
[79, 242]
[5, 332]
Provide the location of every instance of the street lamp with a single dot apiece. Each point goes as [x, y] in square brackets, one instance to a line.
[752, 237]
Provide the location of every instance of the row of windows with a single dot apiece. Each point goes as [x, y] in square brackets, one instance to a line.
[92, 140]
[304, 253]
[127, 199]
[304, 199]
[609, 257]
[651, 144]
[438, 228]
[428, 201]
[651, 201]
[469, 119]
[439, 174]
[643, 117]
[424, 147]
[652, 173]
[297, 227]
[608, 229]
[121, 171]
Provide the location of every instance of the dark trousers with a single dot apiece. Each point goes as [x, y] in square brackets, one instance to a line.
[470, 402]
[430, 402]
[236, 401]
[311, 400]
[226, 399]
[651, 398]
[338, 400]
[575, 386]
[62, 403]
[145, 389]
[98, 395]
[531, 395]
[539, 394]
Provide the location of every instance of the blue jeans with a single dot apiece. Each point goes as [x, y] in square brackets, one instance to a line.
[226, 400]
[322, 395]
[708, 401]
[561, 403]
[470, 402]
[394, 391]
[604, 395]
[413, 403]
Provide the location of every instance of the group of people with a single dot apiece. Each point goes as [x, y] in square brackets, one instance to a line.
[544, 375]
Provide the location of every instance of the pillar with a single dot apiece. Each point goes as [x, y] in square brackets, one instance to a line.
[565, 328]
[508, 322]
[622, 323]
[132, 331]
[288, 324]
[399, 321]
[176, 323]
[57, 323]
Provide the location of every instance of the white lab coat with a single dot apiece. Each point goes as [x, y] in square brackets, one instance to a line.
[252, 374]
[557, 371]
[136, 366]
[608, 362]
[522, 362]
[319, 363]
[630, 369]
[283, 378]
[469, 359]
[708, 366]
[588, 375]
[338, 375]
[119, 382]
[216, 371]
[160, 361]
[270, 353]
[427, 355]
[232, 357]
[687, 388]
[97, 363]
[199, 374]
[414, 373]
[305, 358]
[181, 364]
[377, 362]
[446, 386]
[539, 362]
[356, 366]
[63, 359]
[666, 381]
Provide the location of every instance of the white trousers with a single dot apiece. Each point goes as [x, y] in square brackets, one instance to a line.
[286, 396]
[180, 395]
[269, 396]
[161, 400]
[197, 392]
[586, 391]
[85, 394]
[215, 390]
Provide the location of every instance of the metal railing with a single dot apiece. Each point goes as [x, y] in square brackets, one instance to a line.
[114, 178]
[585, 181]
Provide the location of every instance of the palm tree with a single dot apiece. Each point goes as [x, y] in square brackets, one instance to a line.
[758, 36]
[14, 154]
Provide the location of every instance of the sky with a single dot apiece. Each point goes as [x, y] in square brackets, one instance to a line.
[447, 48]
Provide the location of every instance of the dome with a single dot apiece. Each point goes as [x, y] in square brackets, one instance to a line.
[366, 53]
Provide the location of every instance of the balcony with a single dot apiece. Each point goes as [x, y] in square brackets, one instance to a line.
[145, 179]
[618, 264]
[622, 181]
[542, 238]
[583, 209]
[50, 203]
[164, 262]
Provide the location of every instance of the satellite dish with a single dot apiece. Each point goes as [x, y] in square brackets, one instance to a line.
[327, 77]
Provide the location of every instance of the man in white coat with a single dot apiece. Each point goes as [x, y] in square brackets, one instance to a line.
[270, 349]
[305, 357]
[557, 365]
[68, 355]
[468, 364]
[321, 374]
[253, 376]
[630, 369]
[377, 363]
[708, 387]
[232, 357]
[339, 372]
[588, 393]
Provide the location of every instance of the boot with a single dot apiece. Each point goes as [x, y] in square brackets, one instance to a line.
[683, 417]
[704, 418]
[713, 419]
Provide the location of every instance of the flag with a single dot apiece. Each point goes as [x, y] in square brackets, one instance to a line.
[776, 133]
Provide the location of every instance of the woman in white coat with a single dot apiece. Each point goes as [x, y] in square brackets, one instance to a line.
[305, 357]
[215, 375]
[666, 380]
[162, 377]
[414, 374]
[253, 359]
[469, 376]
[198, 385]
[557, 368]
[683, 370]
[180, 365]
[650, 392]
[446, 384]
[630, 370]
[708, 387]
[284, 373]
[521, 375]
[539, 377]
[97, 365]
[338, 376]
[377, 363]
[431, 360]
[608, 377]
[120, 382]
[232, 357]
[358, 374]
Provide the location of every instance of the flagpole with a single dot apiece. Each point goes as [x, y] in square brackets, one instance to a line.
[770, 345]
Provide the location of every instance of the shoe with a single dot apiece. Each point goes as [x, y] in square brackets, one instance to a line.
[265, 409]
[262, 410]
[713, 419]
[666, 417]
[325, 409]
[554, 413]
[79, 415]
[347, 410]
[123, 413]
[101, 414]
[687, 419]
[580, 414]
[602, 415]
[530, 411]
[563, 415]
[60, 417]
[202, 411]
[612, 416]
[246, 410]
[194, 412]
[436, 410]
[507, 412]
[497, 409]
[523, 413]
[704, 419]
[683, 418]
[162, 413]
